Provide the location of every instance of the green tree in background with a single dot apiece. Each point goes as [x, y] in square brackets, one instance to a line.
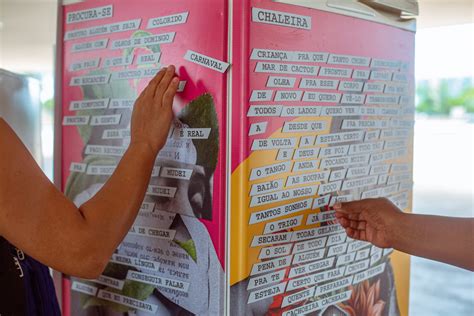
[441, 97]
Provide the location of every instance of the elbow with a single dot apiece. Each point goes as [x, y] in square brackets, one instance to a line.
[88, 263]
[91, 269]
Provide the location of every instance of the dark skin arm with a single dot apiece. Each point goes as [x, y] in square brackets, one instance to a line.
[40, 220]
[380, 222]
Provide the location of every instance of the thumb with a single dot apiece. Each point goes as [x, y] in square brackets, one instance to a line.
[354, 207]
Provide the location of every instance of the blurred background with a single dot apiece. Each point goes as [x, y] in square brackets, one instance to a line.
[444, 129]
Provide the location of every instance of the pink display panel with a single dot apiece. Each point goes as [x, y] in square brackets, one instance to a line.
[172, 260]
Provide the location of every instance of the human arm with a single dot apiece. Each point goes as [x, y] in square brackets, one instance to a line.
[380, 222]
[40, 220]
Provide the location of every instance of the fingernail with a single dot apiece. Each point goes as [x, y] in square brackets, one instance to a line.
[338, 205]
[175, 80]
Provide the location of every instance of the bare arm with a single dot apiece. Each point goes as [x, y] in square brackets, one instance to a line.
[40, 220]
[446, 239]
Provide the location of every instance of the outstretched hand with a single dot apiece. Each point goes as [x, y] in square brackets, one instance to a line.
[372, 220]
[152, 113]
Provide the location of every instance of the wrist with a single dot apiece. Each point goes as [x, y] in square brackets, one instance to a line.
[143, 149]
[398, 229]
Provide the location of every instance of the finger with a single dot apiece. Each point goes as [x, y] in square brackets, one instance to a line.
[170, 92]
[363, 235]
[164, 83]
[359, 225]
[153, 84]
[344, 222]
[351, 207]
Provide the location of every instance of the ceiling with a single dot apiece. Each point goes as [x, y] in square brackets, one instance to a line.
[28, 27]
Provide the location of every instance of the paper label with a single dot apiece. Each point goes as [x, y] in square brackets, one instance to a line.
[284, 154]
[174, 19]
[357, 172]
[271, 291]
[309, 256]
[345, 259]
[90, 80]
[283, 224]
[321, 201]
[176, 173]
[288, 96]
[279, 68]
[135, 262]
[118, 61]
[297, 297]
[335, 72]
[385, 63]
[78, 167]
[362, 276]
[311, 233]
[89, 104]
[100, 170]
[104, 29]
[306, 153]
[346, 161]
[336, 239]
[110, 282]
[261, 95]
[271, 265]
[158, 281]
[316, 278]
[276, 251]
[337, 175]
[365, 124]
[105, 120]
[281, 82]
[333, 286]
[84, 288]
[152, 232]
[326, 84]
[104, 150]
[283, 195]
[127, 301]
[354, 86]
[85, 65]
[76, 120]
[265, 110]
[165, 191]
[359, 183]
[307, 165]
[116, 133]
[90, 14]
[312, 267]
[206, 61]
[337, 138]
[349, 60]
[300, 110]
[273, 143]
[89, 46]
[281, 18]
[280, 211]
[337, 250]
[382, 99]
[271, 239]
[122, 103]
[321, 97]
[334, 151]
[307, 141]
[308, 178]
[265, 280]
[357, 267]
[321, 217]
[340, 110]
[308, 245]
[284, 55]
[144, 41]
[266, 171]
[361, 74]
